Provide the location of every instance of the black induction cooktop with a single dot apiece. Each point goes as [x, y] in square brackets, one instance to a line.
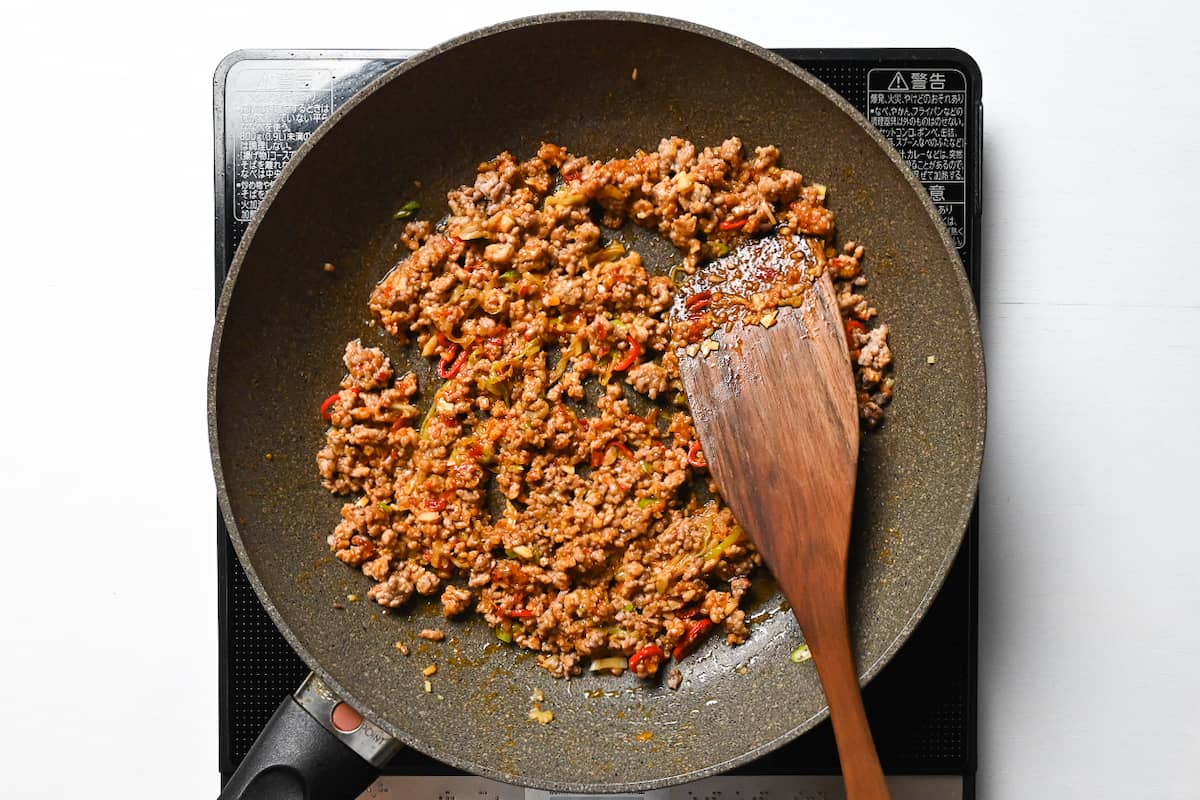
[922, 706]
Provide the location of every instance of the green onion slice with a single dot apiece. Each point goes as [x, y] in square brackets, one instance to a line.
[407, 210]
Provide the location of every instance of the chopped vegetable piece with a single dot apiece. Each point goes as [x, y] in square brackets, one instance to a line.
[564, 360]
[521, 613]
[407, 210]
[646, 502]
[624, 448]
[801, 654]
[446, 370]
[504, 636]
[631, 357]
[720, 547]
[531, 350]
[647, 468]
[611, 253]
[651, 654]
[541, 717]
[611, 662]
[695, 456]
[511, 275]
[733, 224]
[326, 414]
[695, 634]
[699, 299]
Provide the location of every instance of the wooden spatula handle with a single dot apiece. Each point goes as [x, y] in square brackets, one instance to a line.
[828, 637]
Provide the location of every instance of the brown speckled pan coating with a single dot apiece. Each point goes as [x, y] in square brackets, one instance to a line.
[283, 322]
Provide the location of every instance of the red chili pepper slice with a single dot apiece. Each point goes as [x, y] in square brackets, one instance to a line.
[695, 633]
[853, 325]
[446, 370]
[326, 414]
[696, 304]
[631, 357]
[624, 448]
[597, 458]
[521, 613]
[436, 503]
[651, 652]
[695, 456]
[733, 224]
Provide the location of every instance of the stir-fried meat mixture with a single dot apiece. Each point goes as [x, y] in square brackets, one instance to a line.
[600, 551]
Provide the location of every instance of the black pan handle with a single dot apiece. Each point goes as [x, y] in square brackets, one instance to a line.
[315, 747]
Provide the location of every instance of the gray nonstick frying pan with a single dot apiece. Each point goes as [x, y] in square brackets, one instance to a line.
[283, 322]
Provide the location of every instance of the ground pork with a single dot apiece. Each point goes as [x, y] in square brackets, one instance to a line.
[596, 545]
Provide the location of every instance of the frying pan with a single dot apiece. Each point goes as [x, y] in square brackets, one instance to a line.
[283, 321]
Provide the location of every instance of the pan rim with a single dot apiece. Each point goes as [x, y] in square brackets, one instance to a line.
[973, 463]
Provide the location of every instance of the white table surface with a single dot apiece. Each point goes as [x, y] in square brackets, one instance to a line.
[1088, 637]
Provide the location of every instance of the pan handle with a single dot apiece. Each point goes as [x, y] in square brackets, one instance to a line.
[315, 747]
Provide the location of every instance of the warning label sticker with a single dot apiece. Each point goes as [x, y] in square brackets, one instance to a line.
[271, 113]
[923, 113]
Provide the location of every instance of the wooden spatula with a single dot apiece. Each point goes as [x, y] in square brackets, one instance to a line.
[777, 419]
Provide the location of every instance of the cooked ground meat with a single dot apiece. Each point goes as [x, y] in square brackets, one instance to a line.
[541, 324]
[455, 601]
